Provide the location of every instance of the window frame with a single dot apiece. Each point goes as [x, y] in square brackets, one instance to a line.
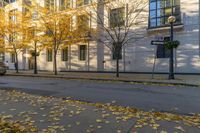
[114, 25]
[12, 59]
[85, 53]
[65, 56]
[162, 51]
[65, 5]
[49, 55]
[176, 11]
[114, 56]
[83, 22]
[82, 3]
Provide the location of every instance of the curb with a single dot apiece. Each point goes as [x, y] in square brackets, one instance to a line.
[110, 79]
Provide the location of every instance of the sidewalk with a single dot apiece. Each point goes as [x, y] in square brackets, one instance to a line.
[188, 80]
[42, 114]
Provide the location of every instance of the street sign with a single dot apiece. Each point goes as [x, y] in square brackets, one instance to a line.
[156, 42]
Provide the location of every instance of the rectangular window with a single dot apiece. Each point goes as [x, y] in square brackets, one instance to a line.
[2, 57]
[64, 4]
[115, 54]
[81, 2]
[49, 4]
[117, 17]
[12, 58]
[64, 54]
[163, 52]
[13, 16]
[82, 52]
[160, 10]
[83, 22]
[49, 55]
[10, 1]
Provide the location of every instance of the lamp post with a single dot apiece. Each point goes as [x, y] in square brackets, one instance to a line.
[171, 20]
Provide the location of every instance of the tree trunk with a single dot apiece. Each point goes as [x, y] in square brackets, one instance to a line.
[55, 63]
[117, 67]
[16, 63]
[35, 59]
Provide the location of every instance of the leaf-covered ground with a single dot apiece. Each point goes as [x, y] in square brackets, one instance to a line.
[22, 112]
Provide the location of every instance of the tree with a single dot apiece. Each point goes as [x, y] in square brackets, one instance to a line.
[34, 37]
[58, 31]
[53, 27]
[12, 32]
[118, 24]
[2, 20]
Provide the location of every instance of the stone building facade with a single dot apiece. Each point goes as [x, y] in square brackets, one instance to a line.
[138, 56]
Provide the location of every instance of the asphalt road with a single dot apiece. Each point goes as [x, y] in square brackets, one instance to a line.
[178, 99]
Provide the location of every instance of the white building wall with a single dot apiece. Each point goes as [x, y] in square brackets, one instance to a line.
[73, 63]
[139, 56]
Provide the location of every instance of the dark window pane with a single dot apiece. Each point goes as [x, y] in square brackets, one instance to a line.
[117, 17]
[162, 51]
[49, 55]
[115, 54]
[64, 4]
[178, 19]
[83, 22]
[82, 2]
[64, 54]
[176, 10]
[82, 52]
[12, 58]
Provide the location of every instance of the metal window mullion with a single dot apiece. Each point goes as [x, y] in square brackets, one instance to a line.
[156, 12]
[149, 13]
[172, 7]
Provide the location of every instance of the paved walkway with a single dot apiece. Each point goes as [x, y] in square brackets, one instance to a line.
[43, 114]
[191, 80]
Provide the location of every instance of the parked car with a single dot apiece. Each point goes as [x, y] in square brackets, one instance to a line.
[3, 68]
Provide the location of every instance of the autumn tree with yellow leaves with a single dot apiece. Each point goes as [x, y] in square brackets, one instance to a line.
[61, 26]
[13, 33]
[2, 20]
[49, 26]
[34, 31]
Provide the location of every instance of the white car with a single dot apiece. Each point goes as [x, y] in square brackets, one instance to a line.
[2, 68]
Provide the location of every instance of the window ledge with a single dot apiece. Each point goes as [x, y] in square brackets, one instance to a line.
[176, 27]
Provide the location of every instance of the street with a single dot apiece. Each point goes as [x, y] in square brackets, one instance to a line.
[175, 99]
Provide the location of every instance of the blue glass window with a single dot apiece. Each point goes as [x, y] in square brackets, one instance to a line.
[160, 10]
